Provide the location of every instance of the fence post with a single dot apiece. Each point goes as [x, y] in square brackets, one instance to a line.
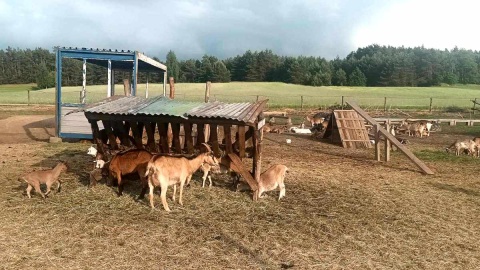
[28, 97]
[301, 103]
[257, 97]
[431, 101]
[474, 103]
[342, 102]
[385, 104]
[207, 91]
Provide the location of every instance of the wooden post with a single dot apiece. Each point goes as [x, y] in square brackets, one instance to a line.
[109, 78]
[163, 130]
[227, 131]
[377, 141]
[241, 141]
[187, 127]
[146, 86]
[126, 87]
[28, 93]
[207, 91]
[84, 82]
[111, 137]
[258, 97]
[387, 142]
[301, 103]
[176, 137]
[165, 83]
[431, 101]
[96, 136]
[171, 81]
[474, 103]
[150, 129]
[137, 134]
[200, 134]
[214, 139]
[343, 101]
[385, 104]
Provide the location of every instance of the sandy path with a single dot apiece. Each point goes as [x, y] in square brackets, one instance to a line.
[26, 128]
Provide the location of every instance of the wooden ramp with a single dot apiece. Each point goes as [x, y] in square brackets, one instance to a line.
[348, 128]
[389, 138]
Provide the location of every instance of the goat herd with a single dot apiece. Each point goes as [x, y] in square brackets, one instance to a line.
[161, 170]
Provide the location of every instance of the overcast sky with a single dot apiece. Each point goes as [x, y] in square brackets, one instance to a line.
[223, 28]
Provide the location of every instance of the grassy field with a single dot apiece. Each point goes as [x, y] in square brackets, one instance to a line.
[279, 94]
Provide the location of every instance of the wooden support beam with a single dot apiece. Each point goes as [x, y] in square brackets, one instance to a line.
[257, 157]
[200, 134]
[96, 137]
[227, 130]
[172, 87]
[163, 131]
[387, 144]
[111, 137]
[241, 141]
[214, 140]
[150, 129]
[207, 91]
[237, 166]
[188, 137]
[406, 151]
[376, 129]
[176, 138]
[120, 129]
[137, 134]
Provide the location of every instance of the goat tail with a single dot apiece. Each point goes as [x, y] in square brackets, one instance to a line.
[149, 169]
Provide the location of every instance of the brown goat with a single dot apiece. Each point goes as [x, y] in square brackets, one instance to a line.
[131, 161]
[48, 177]
[224, 167]
[165, 171]
[271, 179]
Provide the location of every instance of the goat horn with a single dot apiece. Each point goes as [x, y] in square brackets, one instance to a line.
[208, 147]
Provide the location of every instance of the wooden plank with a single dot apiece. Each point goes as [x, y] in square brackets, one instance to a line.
[137, 135]
[387, 145]
[111, 137]
[241, 141]
[188, 137]
[150, 129]
[227, 130]
[163, 131]
[214, 140]
[200, 134]
[257, 161]
[96, 137]
[238, 166]
[176, 137]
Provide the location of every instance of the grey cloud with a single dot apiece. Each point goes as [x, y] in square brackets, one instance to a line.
[190, 28]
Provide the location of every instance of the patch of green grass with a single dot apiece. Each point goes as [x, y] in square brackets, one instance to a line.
[461, 129]
[444, 156]
[279, 94]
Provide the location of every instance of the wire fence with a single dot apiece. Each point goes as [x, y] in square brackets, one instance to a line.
[278, 101]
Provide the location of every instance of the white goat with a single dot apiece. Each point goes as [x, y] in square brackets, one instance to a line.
[92, 151]
[165, 171]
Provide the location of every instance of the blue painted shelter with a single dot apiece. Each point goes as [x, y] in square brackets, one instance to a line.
[70, 123]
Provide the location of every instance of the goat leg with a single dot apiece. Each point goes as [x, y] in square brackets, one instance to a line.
[150, 194]
[163, 195]
[29, 189]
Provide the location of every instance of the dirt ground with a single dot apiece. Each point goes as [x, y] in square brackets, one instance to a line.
[342, 210]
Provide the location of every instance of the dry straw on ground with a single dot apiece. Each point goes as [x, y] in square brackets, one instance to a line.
[342, 210]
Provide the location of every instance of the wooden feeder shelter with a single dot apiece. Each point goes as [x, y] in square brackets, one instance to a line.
[127, 117]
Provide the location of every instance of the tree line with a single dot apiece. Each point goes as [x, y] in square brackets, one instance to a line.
[373, 65]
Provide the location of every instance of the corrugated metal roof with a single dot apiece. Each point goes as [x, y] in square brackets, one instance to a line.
[162, 106]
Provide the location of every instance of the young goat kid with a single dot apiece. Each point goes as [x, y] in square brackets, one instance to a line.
[463, 145]
[48, 177]
[271, 179]
[165, 171]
